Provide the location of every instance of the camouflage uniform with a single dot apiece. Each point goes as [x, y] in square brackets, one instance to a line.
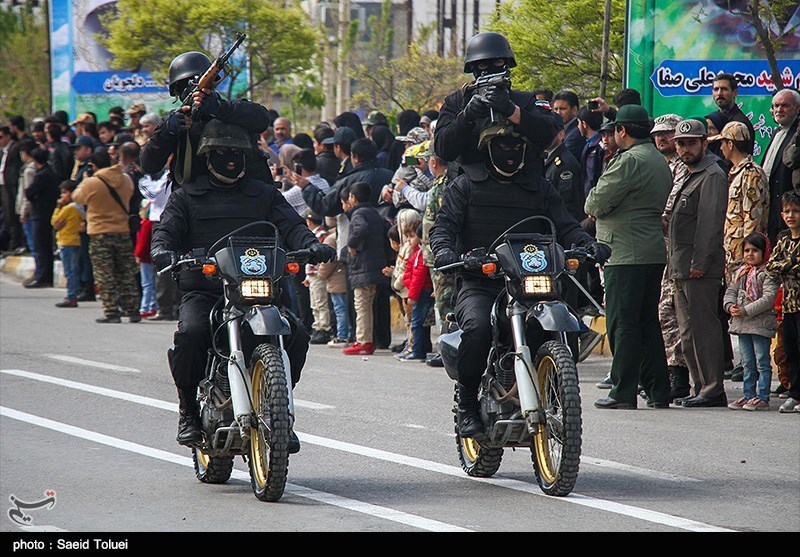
[443, 285]
[666, 307]
[748, 210]
[115, 273]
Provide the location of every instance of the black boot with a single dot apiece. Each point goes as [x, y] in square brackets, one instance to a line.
[189, 421]
[469, 416]
[678, 382]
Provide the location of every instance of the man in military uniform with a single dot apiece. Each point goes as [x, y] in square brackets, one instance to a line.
[464, 115]
[662, 134]
[196, 216]
[478, 206]
[180, 130]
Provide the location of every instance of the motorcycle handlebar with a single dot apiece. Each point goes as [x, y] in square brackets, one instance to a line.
[180, 263]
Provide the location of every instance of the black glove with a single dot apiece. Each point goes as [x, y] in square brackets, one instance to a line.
[445, 257]
[322, 253]
[600, 252]
[176, 121]
[210, 105]
[499, 99]
[476, 109]
[163, 258]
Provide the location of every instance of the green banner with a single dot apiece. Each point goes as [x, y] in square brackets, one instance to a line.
[674, 49]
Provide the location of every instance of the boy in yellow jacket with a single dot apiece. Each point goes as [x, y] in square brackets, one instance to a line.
[67, 220]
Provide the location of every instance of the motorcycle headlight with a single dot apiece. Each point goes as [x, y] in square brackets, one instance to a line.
[255, 289]
[537, 284]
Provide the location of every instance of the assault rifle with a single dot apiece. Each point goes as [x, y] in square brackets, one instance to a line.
[481, 84]
[209, 80]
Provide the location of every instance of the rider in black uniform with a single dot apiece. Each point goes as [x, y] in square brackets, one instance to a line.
[196, 216]
[477, 207]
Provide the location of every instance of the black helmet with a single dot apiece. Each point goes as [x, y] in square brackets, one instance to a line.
[488, 46]
[217, 133]
[185, 66]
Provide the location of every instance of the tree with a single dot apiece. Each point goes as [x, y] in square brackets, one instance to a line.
[418, 80]
[773, 23]
[24, 58]
[150, 33]
[558, 45]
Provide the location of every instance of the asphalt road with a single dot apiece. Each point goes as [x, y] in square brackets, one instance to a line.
[88, 411]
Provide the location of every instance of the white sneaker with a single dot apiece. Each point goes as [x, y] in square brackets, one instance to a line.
[789, 406]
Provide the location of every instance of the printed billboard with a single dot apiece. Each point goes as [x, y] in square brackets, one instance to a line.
[676, 47]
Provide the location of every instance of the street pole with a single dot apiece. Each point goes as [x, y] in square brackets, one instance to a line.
[604, 60]
[343, 76]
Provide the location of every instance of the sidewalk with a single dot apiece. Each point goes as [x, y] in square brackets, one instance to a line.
[21, 266]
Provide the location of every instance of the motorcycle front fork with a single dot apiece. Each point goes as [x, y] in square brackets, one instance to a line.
[529, 395]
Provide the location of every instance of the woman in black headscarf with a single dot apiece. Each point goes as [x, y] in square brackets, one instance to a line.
[384, 139]
[352, 121]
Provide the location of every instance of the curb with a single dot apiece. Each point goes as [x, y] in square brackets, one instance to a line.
[22, 267]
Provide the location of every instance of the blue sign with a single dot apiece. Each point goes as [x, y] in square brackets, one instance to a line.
[94, 83]
[696, 77]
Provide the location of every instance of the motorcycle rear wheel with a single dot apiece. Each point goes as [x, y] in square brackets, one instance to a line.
[476, 460]
[269, 441]
[556, 448]
[211, 469]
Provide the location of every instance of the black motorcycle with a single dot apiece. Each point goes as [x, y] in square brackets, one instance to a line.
[529, 394]
[246, 404]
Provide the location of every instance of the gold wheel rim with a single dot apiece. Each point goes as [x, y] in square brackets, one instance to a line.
[471, 448]
[543, 444]
[258, 448]
[203, 459]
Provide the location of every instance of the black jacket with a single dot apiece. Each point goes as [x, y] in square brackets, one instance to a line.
[199, 213]
[564, 172]
[476, 209]
[573, 140]
[251, 116]
[780, 181]
[329, 204]
[43, 193]
[61, 159]
[457, 139]
[369, 237]
[328, 166]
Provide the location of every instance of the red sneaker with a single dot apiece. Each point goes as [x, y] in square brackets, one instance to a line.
[358, 349]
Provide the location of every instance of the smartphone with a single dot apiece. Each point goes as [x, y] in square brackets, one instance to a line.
[298, 169]
[594, 105]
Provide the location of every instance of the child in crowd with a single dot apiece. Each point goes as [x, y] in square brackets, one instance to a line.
[785, 265]
[66, 220]
[750, 300]
[332, 274]
[407, 221]
[417, 279]
[149, 307]
[318, 293]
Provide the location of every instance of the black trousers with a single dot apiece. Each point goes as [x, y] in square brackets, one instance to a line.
[382, 322]
[16, 238]
[791, 347]
[43, 237]
[473, 307]
[192, 341]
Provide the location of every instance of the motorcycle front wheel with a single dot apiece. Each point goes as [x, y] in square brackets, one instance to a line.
[556, 447]
[212, 469]
[269, 441]
[476, 459]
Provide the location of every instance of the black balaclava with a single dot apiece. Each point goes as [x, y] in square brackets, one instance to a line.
[507, 155]
[492, 69]
[226, 165]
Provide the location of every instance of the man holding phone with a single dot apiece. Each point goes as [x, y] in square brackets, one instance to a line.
[304, 172]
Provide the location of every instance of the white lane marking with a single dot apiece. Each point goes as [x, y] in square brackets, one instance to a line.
[601, 504]
[618, 508]
[301, 491]
[636, 470]
[414, 426]
[90, 363]
[144, 400]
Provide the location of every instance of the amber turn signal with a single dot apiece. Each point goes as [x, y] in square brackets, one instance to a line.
[209, 269]
[293, 268]
[488, 268]
[573, 263]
